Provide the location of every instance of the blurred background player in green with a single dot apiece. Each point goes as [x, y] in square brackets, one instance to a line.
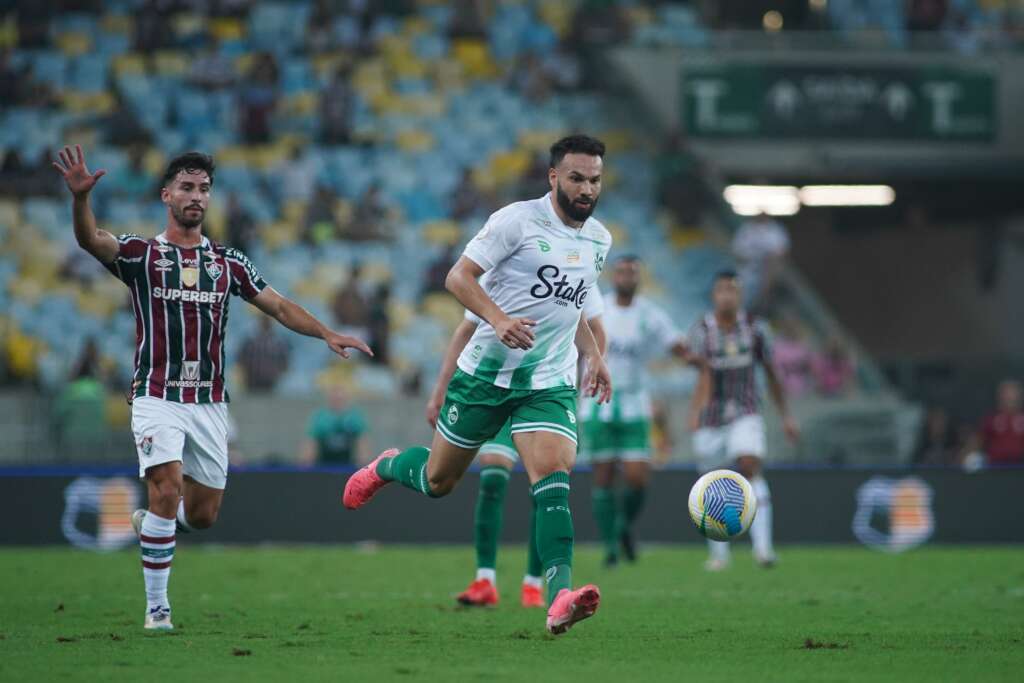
[616, 435]
[496, 459]
[336, 434]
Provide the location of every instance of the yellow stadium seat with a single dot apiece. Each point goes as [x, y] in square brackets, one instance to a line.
[509, 166]
[119, 412]
[187, 23]
[444, 308]
[119, 24]
[448, 74]
[442, 232]
[617, 140]
[22, 354]
[400, 315]
[227, 29]
[9, 32]
[475, 57]
[87, 103]
[73, 43]
[539, 140]
[414, 26]
[414, 141]
[171, 63]
[558, 15]
[129, 64]
[684, 238]
[10, 214]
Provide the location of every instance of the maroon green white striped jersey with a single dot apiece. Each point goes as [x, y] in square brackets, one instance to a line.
[733, 356]
[180, 298]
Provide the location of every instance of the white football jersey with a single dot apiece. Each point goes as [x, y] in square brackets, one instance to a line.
[535, 267]
[637, 334]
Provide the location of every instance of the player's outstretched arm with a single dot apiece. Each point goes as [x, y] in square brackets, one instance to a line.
[597, 380]
[701, 396]
[298, 319]
[80, 182]
[460, 338]
[600, 334]
[789, 424]
[514, 333]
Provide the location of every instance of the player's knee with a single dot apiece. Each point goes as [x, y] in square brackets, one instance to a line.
[164, 494]
[203, 518]
[441, 485]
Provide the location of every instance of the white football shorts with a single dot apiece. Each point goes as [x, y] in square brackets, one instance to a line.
[720, 446]
[194, 434]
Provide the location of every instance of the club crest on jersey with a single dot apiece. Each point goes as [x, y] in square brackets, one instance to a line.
[214, 270]
[453, 415]
[190, 370]
[189, 276]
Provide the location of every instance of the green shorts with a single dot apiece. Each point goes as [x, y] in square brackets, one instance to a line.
[617, 440]
[502, 444]
[474, 411]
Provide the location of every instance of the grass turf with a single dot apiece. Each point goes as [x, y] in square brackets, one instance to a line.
[311, 613]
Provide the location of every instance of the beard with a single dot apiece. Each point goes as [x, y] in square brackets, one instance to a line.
[627, 291]
[577, 212]
[185, 220]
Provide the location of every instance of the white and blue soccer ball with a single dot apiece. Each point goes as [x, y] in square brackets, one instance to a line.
[722, 505]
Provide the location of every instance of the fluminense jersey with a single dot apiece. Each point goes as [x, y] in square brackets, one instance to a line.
[539, 268]
[180, 299]
[637, 334]
[733, 357]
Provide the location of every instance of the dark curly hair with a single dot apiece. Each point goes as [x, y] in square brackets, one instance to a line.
[576, 144]
[189, 162]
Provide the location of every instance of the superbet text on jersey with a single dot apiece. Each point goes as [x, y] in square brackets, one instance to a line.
[180, 299]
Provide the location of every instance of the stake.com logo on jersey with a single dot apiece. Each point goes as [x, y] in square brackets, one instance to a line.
[560, 288]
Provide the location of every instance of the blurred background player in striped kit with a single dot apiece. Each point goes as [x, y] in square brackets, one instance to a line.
[725, 414]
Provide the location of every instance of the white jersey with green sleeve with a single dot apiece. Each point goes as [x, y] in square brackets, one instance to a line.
[535, 267]
[637, 334]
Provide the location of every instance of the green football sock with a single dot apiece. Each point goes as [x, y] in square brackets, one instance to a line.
[633, 503]
[533, 563]
[409, 468]
[606, 516]
[554, 531]
[490, 503]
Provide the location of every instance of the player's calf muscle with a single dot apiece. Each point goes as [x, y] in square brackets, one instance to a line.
[446, 465]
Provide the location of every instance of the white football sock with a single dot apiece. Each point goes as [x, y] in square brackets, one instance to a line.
[718, 550]
[157, 541]
[761, 529]
[489, 574]
[535, 581]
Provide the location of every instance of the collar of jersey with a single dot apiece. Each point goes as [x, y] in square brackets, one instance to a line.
[555, 220]
[205, 244]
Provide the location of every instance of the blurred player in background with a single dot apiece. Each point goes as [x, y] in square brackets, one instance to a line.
[725, 414]
[496, 459]
[180, 283]
[543, 257]
[617, 434]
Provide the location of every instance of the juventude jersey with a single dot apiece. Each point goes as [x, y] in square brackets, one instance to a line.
[637, 334]
[593, 304]
[732, 357]
[539, 268]
[180, 299]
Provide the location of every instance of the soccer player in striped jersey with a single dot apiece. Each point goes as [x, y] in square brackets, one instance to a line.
[725, 413]
[617, 434]
[543, 257]
[180, 283]
[496, 459]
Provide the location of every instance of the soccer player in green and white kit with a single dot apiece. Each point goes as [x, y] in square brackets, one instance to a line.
[496, 459]
[619, 431]
[543, 256]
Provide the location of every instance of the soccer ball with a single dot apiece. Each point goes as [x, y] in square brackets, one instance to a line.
[722, 505]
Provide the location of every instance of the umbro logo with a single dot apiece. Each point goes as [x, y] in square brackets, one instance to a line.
[163, 263]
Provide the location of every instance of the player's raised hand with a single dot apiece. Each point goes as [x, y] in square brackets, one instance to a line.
[597, 380]
[72, 167]
[515, 333]
[341, 343]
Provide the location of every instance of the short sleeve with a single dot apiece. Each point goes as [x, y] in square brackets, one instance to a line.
[472, 317]
[697, 340]
[246, 281]
[130, 259]
[498, 239]
[762, 342]
[593, 305]
[662, 330]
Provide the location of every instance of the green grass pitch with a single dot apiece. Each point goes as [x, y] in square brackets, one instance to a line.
[330, 613]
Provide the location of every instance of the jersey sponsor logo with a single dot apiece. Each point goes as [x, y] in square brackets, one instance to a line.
[187, 296]
[162, 248]
[544, 246]
[190, 383]
[453, 415]
[894, 514]
[190, 370]
[735, 362]
[190, 261]
[189, 276]
[214, 270]
[564, 292]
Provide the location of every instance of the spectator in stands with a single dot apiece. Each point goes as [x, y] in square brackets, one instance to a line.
[938, 444]
[320, 27]
[320, 223]
[12, 171]
[371, 220]
[298, 175]
[437, 271]
[337, 103]
[467, 200]
[833, 369]
[152, 22]
[926, 15]
[336, 434]
[531, 79]
[121, 127]
[240, 224]
[213, 70]
[258, 98]
[351, 309]
[264, 357]
[760, 245]
[680, 183]
[1002, 433]
[468, 19]
[12, 81]
[80, 411]
[379, 333]
[133, 181]
[793, 358]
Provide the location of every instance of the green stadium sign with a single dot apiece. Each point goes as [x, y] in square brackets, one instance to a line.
[790, 101]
